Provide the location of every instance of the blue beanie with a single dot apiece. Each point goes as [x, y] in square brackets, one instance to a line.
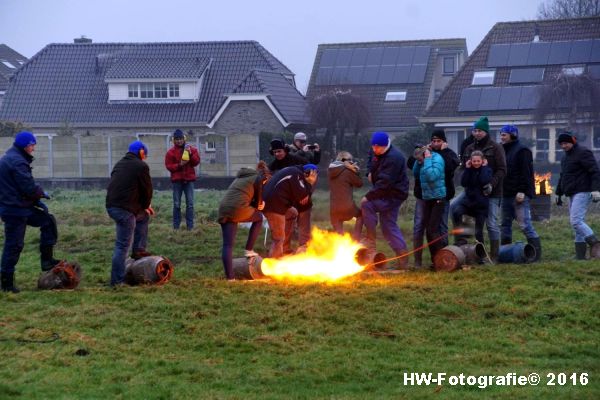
[178, 134]
[511, 130]
[24, 139]
[309, 167]
[380, 139]
[136, 146]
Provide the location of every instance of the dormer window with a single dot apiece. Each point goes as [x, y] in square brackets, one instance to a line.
[484, 77]
[153, 90]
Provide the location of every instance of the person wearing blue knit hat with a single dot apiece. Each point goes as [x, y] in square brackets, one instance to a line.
[518, 189]
[20, 205]
[128, 203]
[387, 174]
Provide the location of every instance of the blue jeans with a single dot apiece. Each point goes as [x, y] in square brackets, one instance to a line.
[512, 210]
[578, 206]
[492, 219]
[229, 231]
[188, 189]
[388, 216]
[14, 236]
[131, 229]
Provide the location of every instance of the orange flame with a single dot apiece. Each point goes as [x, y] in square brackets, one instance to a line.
[328, 258]
[542, 183]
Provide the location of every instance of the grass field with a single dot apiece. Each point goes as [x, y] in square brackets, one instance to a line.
[202, 337]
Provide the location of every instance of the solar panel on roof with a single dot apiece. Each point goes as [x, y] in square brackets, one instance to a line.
[469, 99]
[526, 75]
[594, 71]
[498, 55]
[529, 97]
[370, 74]
[374, 56]
[386, 74]
[580, 51]
[417, 73]
[343, 57]
[339, 75]
[595, 54]
[328, 58]
[519, 53]
[489, 98]
[359, 56]
[355, 74]
[421, 54]
[559, 53]
[401, 73]
[406, 55]
[509, 98]
[538, 53]
[324, 76]
[390, 55]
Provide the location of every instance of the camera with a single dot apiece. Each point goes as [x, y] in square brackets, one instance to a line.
[311, 146]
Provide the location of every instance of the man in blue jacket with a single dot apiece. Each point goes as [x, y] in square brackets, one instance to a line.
[387, 174]
[20, 206]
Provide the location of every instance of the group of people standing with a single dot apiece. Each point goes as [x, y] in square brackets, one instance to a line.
[497, 178]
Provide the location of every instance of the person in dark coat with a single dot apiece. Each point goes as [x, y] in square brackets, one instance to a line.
[20, 206]
[180, 161]
[288, 188]
[128, 203]
[476, 176]
[343, 174]
[518, 190]
[580, 182]
[242, 203]
[310, 152]
[494, 154]
[282, 156]
[387, 174]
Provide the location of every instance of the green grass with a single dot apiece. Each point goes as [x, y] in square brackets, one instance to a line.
[200, 336]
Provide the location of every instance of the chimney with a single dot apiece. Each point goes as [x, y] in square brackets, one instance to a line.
[82, 39]
[536, 35]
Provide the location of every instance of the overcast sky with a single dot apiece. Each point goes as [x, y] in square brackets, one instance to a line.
[289, 30]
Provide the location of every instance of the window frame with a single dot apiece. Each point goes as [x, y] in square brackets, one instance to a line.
[153, 90]
[481, 72]
[396, 96]
[446, 58]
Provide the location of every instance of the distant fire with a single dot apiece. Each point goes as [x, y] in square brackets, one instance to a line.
[329, 258]
[542, 183]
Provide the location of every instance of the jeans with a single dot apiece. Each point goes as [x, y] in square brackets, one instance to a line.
[459, 208]
[492, 219]
[512, 210]
[229, 231]
[131, 229]
[14, 236]
[388, 216]
[188, 189]
[578, 206]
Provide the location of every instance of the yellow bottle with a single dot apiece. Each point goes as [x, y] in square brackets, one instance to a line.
[186, 155]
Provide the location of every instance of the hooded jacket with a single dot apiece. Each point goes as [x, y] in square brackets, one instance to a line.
[519, 170]
[18, 190]
[242, 197]
[388, 176]
[579, 172]
[286, 189]
[494, 153]
[342, 181]
[182, 173]
[431, 177]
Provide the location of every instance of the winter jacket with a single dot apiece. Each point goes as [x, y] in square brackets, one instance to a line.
[18, 190]
[451, 162]
[473, 180]
[342, 181]
[288, 161]
[494, 153]
[388, 176]
[579, 172]
[286, 189]
[242, 198]
[311, 156]
[130, 186]
[182, 173]
[431, 176]
[519, 170]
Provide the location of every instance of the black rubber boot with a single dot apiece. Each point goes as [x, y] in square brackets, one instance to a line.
[47, 258]
[537, 245]
[591, 240]
[494, 247]
[8, 282]
[580, 250]
[504, 241]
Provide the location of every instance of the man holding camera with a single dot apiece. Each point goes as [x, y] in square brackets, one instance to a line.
[310, 152]
[283, 156]
[20, 206]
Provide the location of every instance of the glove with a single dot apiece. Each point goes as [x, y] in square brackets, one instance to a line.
[487, 189]
[559, 201]
[595, 196]
[149, 211]
[520, 197]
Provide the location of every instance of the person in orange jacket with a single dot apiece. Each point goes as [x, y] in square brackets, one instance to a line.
[180, 160]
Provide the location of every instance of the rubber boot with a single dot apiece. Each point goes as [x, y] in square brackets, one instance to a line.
[505, 240]
[47, 258]
[8, 282]
[537, 245]
[494, 247]
[580, 250]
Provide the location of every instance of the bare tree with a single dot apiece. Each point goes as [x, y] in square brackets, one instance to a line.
[557, 9]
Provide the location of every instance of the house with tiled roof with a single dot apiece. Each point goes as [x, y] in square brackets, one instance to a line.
[10, 62]
[510, 77]
[399, 79]
[88, 100]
